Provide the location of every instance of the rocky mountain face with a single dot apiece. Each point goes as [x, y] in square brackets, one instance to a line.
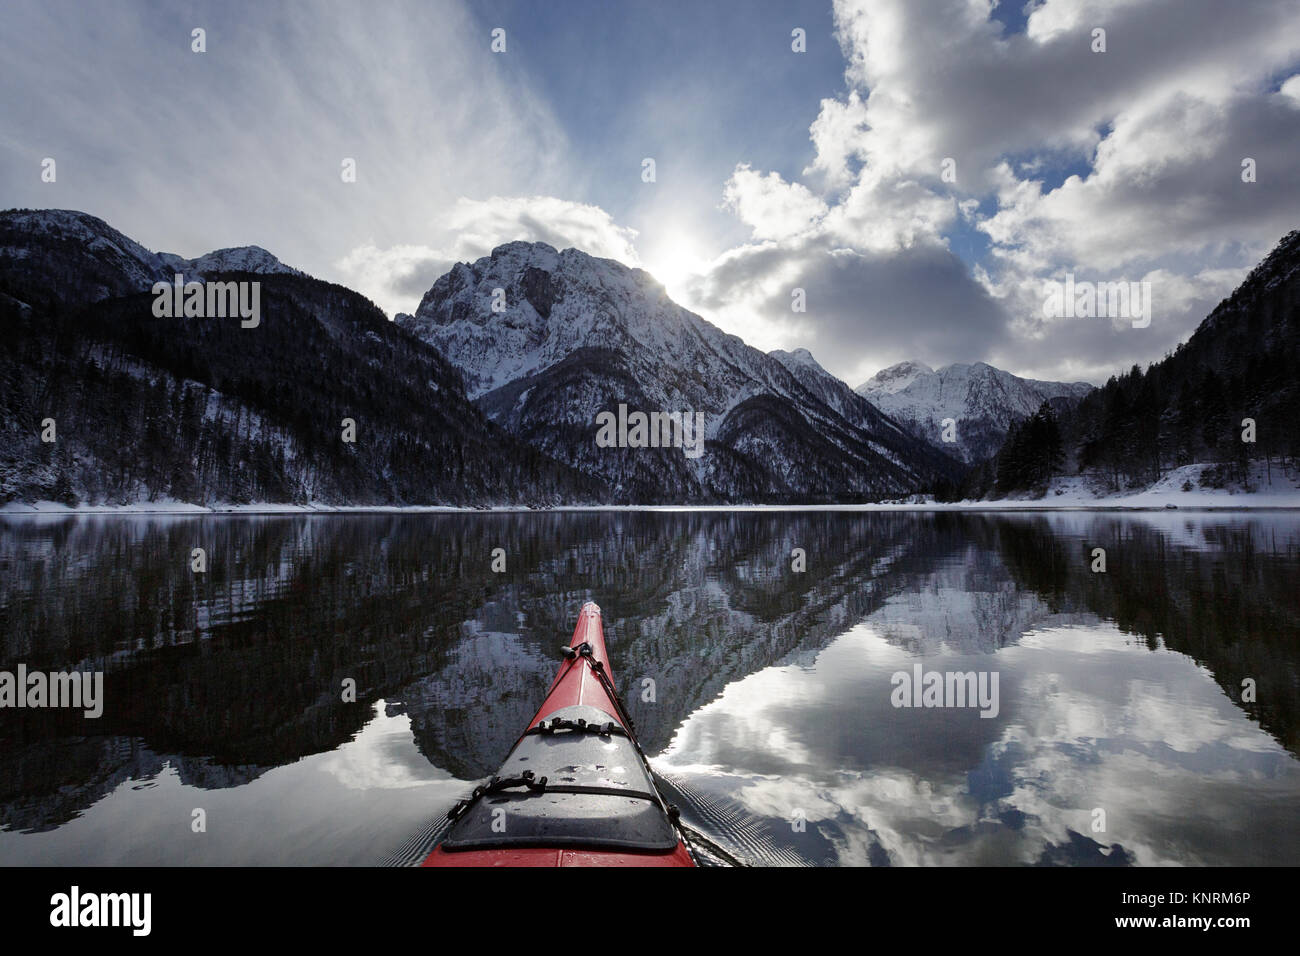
[205, 410]
[835, 393]
[983, 401]
[548, 340]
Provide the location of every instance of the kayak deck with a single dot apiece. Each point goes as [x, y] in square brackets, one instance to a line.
[575, 789]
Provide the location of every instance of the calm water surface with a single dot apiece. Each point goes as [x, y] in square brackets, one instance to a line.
[763, 694]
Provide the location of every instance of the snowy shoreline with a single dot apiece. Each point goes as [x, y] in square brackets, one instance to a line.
[1224, 503]
[1064, 494]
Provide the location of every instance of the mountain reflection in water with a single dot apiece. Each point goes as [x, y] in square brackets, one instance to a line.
[1119, 692]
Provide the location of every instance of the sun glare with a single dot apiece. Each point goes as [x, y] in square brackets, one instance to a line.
[674, 266]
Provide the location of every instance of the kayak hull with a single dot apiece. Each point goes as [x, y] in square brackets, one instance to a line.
[575, 789]
[557, 856]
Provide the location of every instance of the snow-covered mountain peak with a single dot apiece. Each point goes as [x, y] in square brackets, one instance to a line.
[65, 224]
[981, 399]
[527, 306]
[893, 379]
[547, 340]
[72, 226]
[253, 259]
[799, 358]
[540, 255]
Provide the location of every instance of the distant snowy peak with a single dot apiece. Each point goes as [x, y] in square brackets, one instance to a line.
[71, 225]
[961, 389]
[93, 235]
[894, 379]
[798, 359]
[983, 401]
[252, 259]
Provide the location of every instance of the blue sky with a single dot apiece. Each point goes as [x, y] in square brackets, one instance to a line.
[694, 85]
[775, 170]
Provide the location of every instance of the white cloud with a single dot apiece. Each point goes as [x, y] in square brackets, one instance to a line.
[480, 226]
[397, 276]
[1165, 180]
[244, 143]
[882, 213]
[863, 306]
[837, 134]
[1290, 90]
[1157, 127]
[771, 207]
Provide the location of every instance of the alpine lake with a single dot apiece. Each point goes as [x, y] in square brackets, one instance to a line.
[841, 687]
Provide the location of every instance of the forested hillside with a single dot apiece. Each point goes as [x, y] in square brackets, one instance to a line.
[204, 410]
[1193, 406]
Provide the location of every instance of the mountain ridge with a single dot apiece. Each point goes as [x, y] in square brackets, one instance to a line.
[66, 276]
[152, 408]
[514, 390]
[983, 401]
[547, 339]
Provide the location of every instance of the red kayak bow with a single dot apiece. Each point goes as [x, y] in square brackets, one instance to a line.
[576, 789]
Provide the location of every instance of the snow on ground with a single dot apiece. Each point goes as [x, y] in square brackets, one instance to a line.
[186, 508]
[1070, 492]
[1278, 490]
